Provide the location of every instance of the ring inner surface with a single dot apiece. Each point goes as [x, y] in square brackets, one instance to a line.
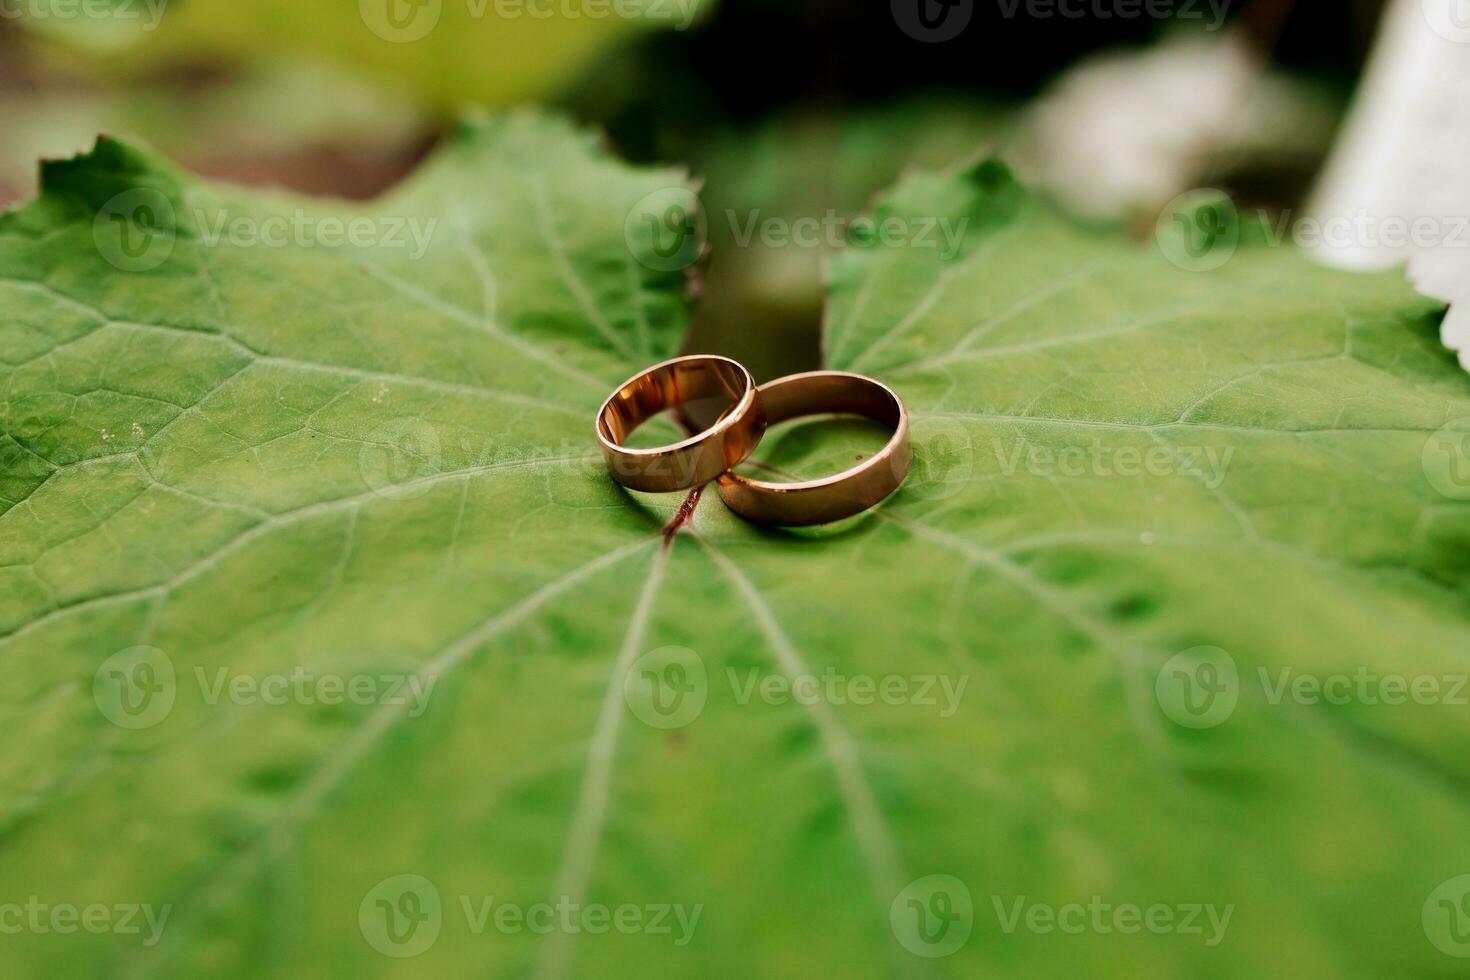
[705, 389]
[829, 395]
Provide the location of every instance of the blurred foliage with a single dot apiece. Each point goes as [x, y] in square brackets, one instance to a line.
[446, 53]
[308, 128]
[786, 109]
[762, 302]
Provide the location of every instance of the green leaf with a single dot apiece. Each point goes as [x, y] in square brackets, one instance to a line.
[338, 461]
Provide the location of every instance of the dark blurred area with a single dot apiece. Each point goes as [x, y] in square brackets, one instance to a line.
[757, 56]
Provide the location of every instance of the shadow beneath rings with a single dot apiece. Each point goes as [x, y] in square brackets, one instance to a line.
[655, 508]
[835, 531]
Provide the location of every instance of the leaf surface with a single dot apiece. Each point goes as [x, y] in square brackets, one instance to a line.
[343, 459]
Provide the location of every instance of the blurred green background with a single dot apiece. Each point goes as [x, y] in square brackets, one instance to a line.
[783, 109]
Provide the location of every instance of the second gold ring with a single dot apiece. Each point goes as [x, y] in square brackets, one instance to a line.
[843, 494]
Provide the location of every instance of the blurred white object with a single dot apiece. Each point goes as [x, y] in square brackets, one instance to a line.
[1404, 159]
[1122, 133]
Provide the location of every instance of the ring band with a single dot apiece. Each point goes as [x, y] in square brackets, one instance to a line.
[835, 497]
[680, 383]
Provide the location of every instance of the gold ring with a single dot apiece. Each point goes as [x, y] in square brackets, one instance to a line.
[835, 497]
[704, 382]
